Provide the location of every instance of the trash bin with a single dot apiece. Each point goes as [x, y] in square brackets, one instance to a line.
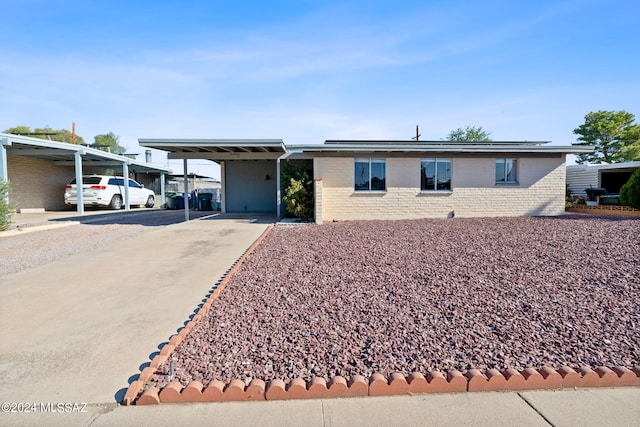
[205, 200]
[173, 200]
[176, 201]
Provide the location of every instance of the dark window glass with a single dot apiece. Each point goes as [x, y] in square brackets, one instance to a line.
[378, 176]
[435, 174]
[370, 175]
[443, 173]
[506, 171]
[500, 171]
[361, 175]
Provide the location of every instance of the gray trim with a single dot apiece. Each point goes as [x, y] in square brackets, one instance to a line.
[173, 141]
[441, 148]
[210, 155]
[605, 166]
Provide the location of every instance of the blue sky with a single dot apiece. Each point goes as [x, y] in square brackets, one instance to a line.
[306, 71]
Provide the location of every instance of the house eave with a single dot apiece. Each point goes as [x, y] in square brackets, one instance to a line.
[439, 148]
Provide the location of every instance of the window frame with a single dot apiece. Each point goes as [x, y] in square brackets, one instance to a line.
[370, 161]
[435, 160]
[507, 161]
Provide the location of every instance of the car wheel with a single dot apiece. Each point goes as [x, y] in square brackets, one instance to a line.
[116, 202]
[150, 202]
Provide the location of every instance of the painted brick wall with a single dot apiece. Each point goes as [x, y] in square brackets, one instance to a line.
[37, 183]
[540, 190]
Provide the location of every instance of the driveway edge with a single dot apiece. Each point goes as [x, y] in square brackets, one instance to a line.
[137, 386]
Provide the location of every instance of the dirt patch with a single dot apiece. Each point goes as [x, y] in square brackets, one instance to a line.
[422, 295]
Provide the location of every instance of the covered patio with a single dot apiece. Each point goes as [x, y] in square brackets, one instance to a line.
[249, 169]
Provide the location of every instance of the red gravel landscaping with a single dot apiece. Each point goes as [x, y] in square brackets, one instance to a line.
[421, 295]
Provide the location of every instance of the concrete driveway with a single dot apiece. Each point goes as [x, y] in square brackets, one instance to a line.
[77, 329]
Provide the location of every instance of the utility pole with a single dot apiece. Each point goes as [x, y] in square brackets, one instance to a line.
[417, 137]
[73, 133]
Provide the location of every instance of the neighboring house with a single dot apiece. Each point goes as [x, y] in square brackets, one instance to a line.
[39, 170]
[361, 180]
[608, 176]
[175, 182]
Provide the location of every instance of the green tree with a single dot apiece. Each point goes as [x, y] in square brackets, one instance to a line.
[297, 188]
[108, 142]
[631, 151]
[610, 132]
[19, 130]
[47, 132]
[630, 192]
[469, 133]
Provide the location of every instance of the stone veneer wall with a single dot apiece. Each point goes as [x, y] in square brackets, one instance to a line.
[540, 189]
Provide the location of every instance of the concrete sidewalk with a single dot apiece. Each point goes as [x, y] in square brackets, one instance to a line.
[586, 407]
[79, 330]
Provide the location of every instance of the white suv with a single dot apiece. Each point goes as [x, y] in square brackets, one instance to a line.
[102, 190]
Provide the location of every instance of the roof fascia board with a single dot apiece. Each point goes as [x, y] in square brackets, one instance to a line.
[204, 142]
[63, 146]
[599, 166]
[443, 148]
[224, 156]
[18, 139]
[57, 148]
[405, 142]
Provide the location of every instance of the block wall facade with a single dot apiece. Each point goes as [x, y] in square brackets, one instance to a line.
[474, 193]
[37, 183]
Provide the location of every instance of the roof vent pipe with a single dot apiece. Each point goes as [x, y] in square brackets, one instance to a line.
[147, 156]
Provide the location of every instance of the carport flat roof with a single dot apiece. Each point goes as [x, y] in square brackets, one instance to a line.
[218, 149]
[62, 153]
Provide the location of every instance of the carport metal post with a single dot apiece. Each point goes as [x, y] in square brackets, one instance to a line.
[186, 190]
[125, 175]
[162, 197]
[223, 187]
[4, 172]
[79, 190]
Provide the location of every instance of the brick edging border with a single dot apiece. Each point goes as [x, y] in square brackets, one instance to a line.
[605, 210]
[136, 386]
[376, 385]
[396, 384]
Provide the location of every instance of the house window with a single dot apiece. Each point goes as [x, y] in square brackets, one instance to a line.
[370, 175]
[435, 175]
[506, 171]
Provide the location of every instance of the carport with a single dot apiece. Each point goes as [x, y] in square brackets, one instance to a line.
[249, 169]
[78, 156]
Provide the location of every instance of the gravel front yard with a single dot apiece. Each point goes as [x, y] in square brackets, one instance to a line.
[402, 296]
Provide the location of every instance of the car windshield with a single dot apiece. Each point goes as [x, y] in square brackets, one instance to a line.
[91, 180]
